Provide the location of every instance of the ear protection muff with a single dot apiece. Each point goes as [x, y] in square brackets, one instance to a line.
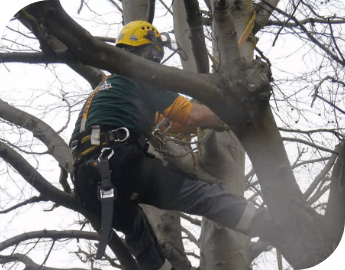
[153, 53]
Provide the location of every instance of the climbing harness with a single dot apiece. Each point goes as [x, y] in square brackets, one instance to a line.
[107, 193]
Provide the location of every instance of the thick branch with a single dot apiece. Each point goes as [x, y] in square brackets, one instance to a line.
[94, 52]
[40, 130]
[151, 11]
[197, 35]
[44, 234]
[37, 181]
[30, 264]
[321, 176]
[59, 197]
[225, 35]
[263, 13]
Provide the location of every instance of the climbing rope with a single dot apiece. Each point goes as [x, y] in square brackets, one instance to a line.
[247, 31]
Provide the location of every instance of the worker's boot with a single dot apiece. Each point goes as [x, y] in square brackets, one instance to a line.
[166, 266]
[262, 226]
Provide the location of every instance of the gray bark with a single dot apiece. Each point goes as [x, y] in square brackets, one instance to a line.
[182, 35]
[220, 247]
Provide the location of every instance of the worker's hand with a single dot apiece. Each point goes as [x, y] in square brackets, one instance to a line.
[218, 126]
[221, 126]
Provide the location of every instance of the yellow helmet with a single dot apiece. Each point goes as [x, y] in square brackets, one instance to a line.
[138, 33]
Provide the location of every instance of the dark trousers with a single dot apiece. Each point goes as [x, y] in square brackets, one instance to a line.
[165, 188]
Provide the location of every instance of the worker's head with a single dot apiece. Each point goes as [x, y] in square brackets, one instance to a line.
[142, 39]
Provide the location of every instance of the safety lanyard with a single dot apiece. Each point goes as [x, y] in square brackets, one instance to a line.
[88, 105]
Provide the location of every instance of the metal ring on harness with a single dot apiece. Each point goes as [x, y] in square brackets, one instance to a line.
[114, 132]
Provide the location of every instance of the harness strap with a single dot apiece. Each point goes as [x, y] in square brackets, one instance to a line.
[107, 194]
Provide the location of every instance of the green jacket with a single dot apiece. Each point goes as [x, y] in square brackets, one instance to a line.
[122, 102]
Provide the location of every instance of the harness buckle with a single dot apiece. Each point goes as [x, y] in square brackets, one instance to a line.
[104, 194]
[114, 131]
[74, 145]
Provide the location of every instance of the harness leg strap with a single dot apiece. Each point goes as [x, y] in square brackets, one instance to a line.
[107, 194]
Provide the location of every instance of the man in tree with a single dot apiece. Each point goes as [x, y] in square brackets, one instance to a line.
[110, 136]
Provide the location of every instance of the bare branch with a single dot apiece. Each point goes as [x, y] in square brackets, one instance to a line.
[310, 36]
[197, 35]
[321, 175]
[151, 11]
[45, 234]
[166, 7]
[30, 264]
[116, 5]
[36, 180]
[190, 219]
[28, 201]
[63, 181]
[308, 143]
[56, 145]
[190, 236]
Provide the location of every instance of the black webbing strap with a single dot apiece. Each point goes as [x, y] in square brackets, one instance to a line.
[107, 194]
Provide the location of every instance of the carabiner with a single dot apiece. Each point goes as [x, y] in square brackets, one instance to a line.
[105, 149]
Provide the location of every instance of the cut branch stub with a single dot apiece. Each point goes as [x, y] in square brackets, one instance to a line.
[246, 90]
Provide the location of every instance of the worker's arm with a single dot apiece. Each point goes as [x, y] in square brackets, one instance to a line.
[186, 117]
[201, 116]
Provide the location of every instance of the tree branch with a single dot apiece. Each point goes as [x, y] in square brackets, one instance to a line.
[310, 36]
[151, 11]
[46, 234]
[37, 181]
[28, 201]
[40, 130]
[92, 51]
[308, 143]
[263, 13]
[190, 236]
[321, 175]
[61, 198]
[30, 264]
[225, 35]
[197, 35]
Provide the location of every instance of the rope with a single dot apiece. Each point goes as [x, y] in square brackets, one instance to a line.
[247, 31]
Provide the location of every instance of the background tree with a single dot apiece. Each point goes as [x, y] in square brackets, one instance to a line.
[303, 190]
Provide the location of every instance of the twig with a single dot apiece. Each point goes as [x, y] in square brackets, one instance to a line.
[166, 7]
[116, 5]
[190, 219]
[330, 103]
[81, 6]
[190, 236]
[46, 258]
[308, 143]
[31, 200]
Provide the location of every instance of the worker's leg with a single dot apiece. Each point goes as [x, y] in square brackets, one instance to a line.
[174, 190]
[128, 218]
